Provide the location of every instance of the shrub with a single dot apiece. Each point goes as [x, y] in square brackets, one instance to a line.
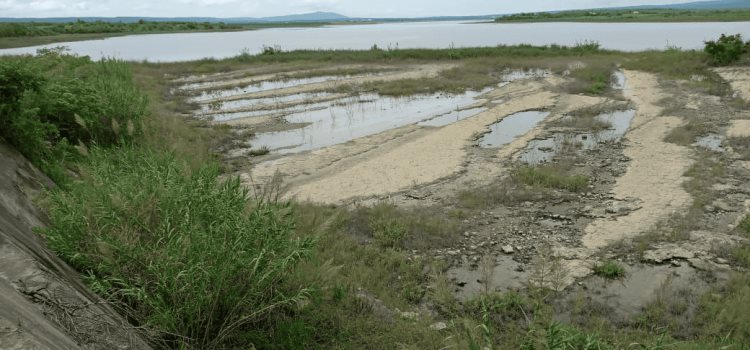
[726, 50]
[52, 100]
[182, 254]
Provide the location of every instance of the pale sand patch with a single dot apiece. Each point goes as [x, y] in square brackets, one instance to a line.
[739, 128]
[246, 122]
[655, 173]
[738, 78]
[419, 72]
[394, 160]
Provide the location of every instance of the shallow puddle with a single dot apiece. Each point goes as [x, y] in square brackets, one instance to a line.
[619, 81]
[504, 277]
[710, 142]
[288, 100]
[543, 150]
[206, 96]
[641, 285]
[512, 126]
[364, 115]
[518, 74]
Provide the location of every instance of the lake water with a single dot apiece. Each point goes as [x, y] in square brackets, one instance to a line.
[191, 46]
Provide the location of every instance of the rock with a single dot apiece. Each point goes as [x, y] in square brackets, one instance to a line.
[508, 249]
[722, 205]
[438, 326]
[667, 252]
[700, 264]
[409, 315]
[722, 261]
[676, 263]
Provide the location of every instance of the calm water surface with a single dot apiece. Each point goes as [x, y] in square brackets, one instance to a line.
[191, 46]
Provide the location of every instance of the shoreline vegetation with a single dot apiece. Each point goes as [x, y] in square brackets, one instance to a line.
[630, 16]
[145, 212]
[23, 34]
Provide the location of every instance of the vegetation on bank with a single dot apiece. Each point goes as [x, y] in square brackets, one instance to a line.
[641, 15]
[20, 34]
[53, 103]
[198, 262]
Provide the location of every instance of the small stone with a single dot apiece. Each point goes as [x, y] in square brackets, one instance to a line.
[438, 326]
[722, 261]
[676, 263]
[409, 315]
[508, 249]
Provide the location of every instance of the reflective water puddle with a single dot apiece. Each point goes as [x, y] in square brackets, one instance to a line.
[543, 150]
[364, 115]
[512, 126]
[207, 96]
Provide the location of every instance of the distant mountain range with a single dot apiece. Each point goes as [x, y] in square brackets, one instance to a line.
[335, 17]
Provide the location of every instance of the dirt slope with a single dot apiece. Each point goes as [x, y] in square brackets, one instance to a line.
[43, 304]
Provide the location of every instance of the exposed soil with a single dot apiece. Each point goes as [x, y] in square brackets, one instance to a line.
[638, 183]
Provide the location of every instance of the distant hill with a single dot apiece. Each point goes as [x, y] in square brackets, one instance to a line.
[335, 17]
[307, 17]
[699, 5]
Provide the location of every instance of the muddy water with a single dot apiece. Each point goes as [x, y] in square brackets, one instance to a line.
[504, 276]
[642, 284]
[543, 150]
[228, 106]
[364, 115]
[452, 117]
[619, 82]
[261, 86]
[512, 126]
[710, 142]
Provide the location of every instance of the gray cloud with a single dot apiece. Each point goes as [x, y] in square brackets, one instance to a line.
[258, 8]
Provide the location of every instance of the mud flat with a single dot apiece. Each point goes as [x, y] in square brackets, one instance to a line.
[738, 78]
[426, 156]
[653, 178]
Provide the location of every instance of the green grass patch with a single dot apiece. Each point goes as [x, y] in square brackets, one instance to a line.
[179, 252]
[550, 177]
[745, 225]
[610, 270]
[415, 228]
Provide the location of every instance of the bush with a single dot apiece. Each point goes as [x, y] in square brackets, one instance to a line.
[179, 252]
[726, 50]
[52, 100]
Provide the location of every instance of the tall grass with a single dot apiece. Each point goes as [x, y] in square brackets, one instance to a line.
[550, 177]
[52, 101]
[179, 252]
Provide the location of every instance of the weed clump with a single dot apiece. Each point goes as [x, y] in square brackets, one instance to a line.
[550, 177]
[610, 270]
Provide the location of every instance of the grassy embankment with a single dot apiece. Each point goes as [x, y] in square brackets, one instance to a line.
[141, 213]
[21, 34]
[652, 15]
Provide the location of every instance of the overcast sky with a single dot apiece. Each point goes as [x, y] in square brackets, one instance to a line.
[262, 8]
